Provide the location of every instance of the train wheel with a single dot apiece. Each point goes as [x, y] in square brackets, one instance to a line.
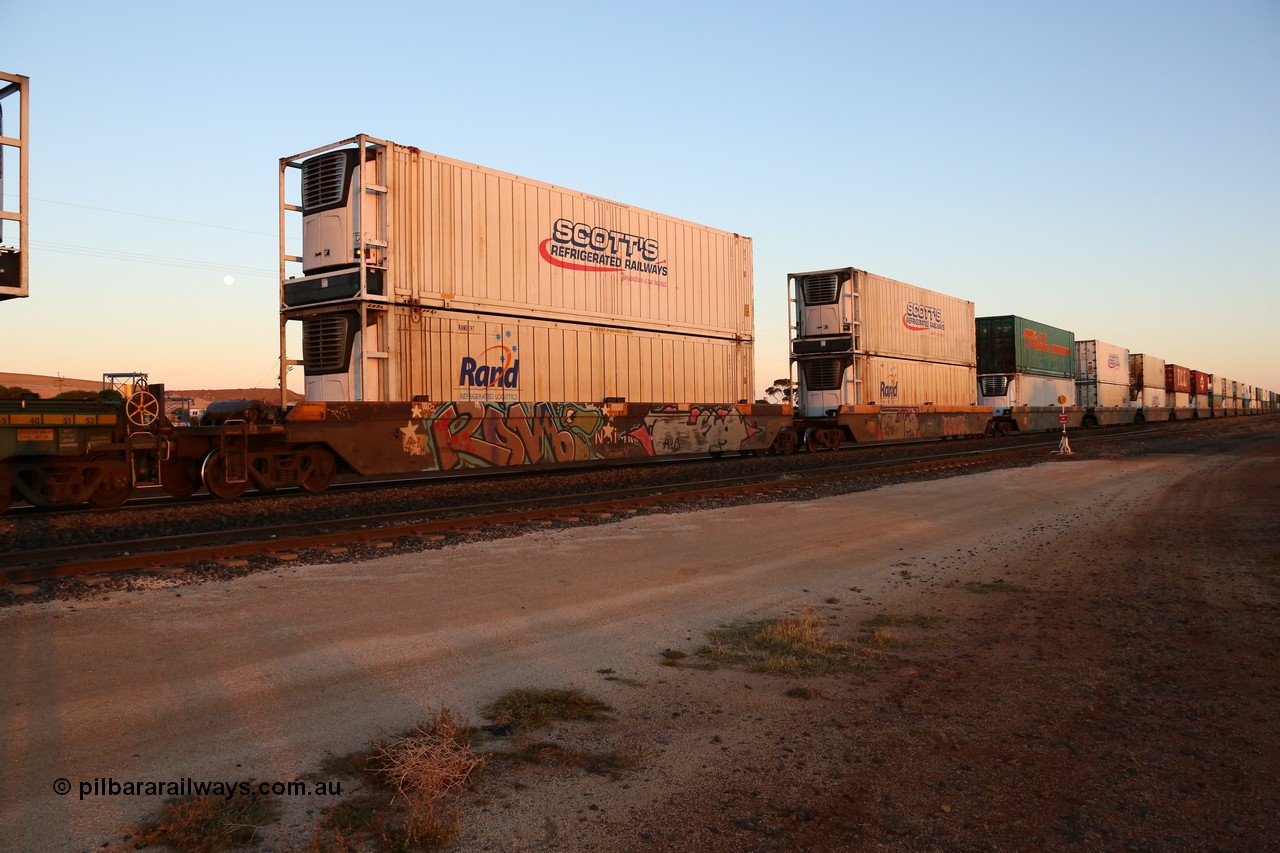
[320, 469]
[179, 477]
[811, 442]
[214, 474]
[115, 486]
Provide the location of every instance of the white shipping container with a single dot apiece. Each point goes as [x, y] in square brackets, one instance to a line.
[1150, 398]
[1025, 389]
[442, 233]
[1099, 362]
[451, 355]
[1102, 395]
[895, 382]
[1146, 371]
[879, 316]
[1178, 399]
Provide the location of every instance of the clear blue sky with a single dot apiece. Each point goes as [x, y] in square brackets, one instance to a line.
[1109, 168]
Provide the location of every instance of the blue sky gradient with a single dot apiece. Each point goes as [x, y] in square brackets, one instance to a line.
[1108, 168]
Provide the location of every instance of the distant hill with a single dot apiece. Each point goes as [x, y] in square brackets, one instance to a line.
[51, 386]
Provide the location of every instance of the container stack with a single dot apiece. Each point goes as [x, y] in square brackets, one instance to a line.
[1023, 363]
[1102, 375]
[1146, 381]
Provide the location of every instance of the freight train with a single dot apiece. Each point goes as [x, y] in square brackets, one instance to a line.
[453, 316]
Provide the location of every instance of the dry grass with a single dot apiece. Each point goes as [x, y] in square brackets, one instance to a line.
[413, 782]
[523, 708]
[207, 823]
[429, 765]
[792, 646]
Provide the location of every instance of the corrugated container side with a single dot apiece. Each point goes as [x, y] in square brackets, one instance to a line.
[901, 320]
[462, 356]
[903, 382]
[1009, 344]
[475, 239]
[1177, 378]
[1025, 389]
[1146, 371]
[1102, 394]
[892, 318]
[1151, 398]
[1100, 362]
[1179, 399]
[875, 380]
[1201, 382]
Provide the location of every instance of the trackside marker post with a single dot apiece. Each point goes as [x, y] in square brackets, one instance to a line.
[1064, 446]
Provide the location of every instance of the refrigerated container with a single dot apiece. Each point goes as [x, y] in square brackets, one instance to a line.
[389, 230]
[1010, 344]
[452, 355]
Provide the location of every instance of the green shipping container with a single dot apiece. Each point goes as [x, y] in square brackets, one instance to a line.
[1011, 344]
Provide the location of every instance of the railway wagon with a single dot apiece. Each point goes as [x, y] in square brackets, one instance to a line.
[879, 360]
[1027, 374]
[56, 453]
[454, 316]
[1103, 383]
[393, 236]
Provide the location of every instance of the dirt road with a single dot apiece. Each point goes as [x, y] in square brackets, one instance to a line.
[1101, 673]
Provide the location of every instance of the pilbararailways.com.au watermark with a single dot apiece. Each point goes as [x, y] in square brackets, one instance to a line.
[187, 787]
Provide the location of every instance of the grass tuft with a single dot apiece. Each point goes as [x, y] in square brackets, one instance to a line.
[790, 646]
[525, 708]
[205, 824]
[412, 782]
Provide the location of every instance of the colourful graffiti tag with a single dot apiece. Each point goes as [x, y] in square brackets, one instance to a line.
[482, 435]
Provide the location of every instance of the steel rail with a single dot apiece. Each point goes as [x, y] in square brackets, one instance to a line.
[160, 551]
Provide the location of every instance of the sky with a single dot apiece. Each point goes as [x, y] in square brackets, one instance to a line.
[1108, 168]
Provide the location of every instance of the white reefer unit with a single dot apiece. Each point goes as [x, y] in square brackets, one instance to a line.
[858, 336]
[1102, 375]
[386, 227]
[1003, 392]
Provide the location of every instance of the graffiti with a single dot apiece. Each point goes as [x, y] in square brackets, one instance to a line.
[955, 425]
[480, 435]
[474, 434]
[668, 430]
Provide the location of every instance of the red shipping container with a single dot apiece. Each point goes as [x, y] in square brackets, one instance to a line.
[1201, 383]
[1177, 379]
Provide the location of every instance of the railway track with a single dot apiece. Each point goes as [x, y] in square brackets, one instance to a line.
[289, 540]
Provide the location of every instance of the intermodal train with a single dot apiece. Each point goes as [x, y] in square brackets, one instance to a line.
[454, 316]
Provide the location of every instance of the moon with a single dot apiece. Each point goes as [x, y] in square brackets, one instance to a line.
[228, 280]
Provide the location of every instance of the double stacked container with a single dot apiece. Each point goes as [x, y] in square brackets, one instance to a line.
[880, 360]
[1102, 376]
[1146, 386]
[1177, 385]
[427, 278]
[862, 339]
[1024, 364]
